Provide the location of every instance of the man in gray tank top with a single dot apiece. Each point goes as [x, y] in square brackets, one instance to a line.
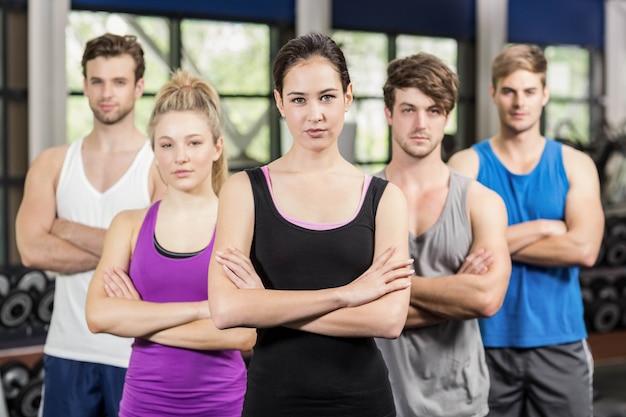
[458, 240]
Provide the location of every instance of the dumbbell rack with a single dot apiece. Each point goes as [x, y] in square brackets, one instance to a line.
[603, 289]
[26, 301]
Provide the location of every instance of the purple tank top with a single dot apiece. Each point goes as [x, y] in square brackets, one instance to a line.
[168, 381]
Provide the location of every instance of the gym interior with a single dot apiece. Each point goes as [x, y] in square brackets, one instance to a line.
[232, 44]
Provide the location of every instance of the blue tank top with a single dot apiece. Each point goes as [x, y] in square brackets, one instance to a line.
[543, 305]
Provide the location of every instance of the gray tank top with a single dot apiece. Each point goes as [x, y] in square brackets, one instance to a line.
[440, 370]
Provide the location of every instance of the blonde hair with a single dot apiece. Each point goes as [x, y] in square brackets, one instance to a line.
[519, 57]
[185, 92]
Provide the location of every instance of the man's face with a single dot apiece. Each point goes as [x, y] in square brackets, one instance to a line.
[111, 88]
[417, 123]
[520, 98]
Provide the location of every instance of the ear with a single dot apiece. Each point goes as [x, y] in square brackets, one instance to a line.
[388, 116]
[139, 85]
[279, 102]
[219, 148]
[546, 96]
[348, 97]
[492, 92]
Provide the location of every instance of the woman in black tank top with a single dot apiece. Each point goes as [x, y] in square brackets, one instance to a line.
[328, 266]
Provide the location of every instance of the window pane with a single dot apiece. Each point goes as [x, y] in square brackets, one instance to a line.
[153, 34]
[372, 143]
[233, 57]
[246, 130]
[567, 120]
[444, 48]
[568, 71]
[366, 55]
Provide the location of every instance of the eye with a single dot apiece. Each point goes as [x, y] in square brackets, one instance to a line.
[327, 98]
[165, 145]
[408, 110]
[298, 100]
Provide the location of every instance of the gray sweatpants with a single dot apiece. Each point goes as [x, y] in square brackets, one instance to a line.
[549, 381]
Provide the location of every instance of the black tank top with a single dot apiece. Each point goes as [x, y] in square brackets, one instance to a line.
[295, 373]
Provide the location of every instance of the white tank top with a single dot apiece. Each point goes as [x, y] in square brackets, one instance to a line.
[77, 200]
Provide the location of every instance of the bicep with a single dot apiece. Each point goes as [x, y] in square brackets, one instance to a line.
[37, 210]
[235, 225]
[489, 227]
[392, 224]
[583, 207]
[117, 251]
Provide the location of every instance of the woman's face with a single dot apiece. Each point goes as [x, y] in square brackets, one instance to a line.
[313, 102]
[185, 149]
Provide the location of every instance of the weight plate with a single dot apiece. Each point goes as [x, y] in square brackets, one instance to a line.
[15, 309]
[32, 280]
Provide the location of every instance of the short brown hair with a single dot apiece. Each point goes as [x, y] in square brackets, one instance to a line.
[428, 74]
[519, 57]
[110, 45]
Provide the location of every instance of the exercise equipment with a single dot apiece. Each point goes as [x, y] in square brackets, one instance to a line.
[15, 375]
[604, 312]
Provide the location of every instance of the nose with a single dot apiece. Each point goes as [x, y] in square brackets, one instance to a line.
[181, 154]
[107, 90]
[315, 112]
[519, 101]
[419, 121]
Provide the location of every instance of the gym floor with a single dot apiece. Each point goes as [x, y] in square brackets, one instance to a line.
[610, 389]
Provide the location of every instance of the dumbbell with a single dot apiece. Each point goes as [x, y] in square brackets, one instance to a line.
[620, 287]
[16, 305]
[40, 288]
[604, 312]
[29, 398]
[15, 376]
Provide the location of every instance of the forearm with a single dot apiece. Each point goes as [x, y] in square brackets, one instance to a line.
[418, 317]
[384, 317]
[461, 296]
[87, 238]
[523, 234]
[136, 318]
[559, 251]
[203, 335]
[48, 252]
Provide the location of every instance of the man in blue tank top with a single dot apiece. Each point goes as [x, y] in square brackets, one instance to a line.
[458, 240]
[538, 358]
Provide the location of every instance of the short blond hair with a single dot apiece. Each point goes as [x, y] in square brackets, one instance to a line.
[519, 57]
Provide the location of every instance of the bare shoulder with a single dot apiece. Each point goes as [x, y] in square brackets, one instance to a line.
[236, 183]
[393, 194]
[575, 160]
[128, 222]
[465, 162]
[483, 197]
[50, 159]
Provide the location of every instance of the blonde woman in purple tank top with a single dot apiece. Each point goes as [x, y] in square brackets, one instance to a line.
[151, 282]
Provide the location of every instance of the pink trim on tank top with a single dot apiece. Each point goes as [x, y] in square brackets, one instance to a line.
[310, 225]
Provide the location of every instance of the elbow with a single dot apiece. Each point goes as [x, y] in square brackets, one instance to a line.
[221, 316]
[249, 340]
[489, 303]
[588, 255]
[95, 322]
[393, 325]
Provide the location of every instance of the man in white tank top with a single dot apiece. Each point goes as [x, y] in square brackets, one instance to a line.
[457, 238]
[71, 194]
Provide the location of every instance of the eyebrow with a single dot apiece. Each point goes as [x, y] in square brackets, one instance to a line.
[298, 93]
